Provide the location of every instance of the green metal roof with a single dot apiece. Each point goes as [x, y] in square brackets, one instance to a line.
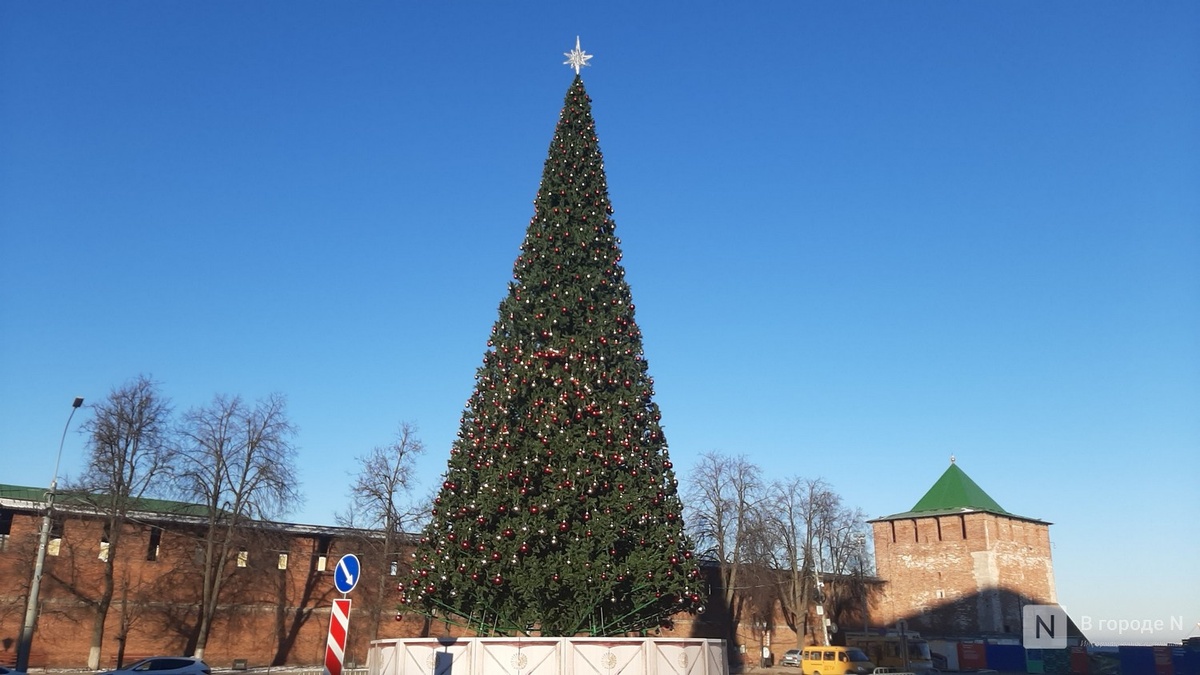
[955, 492]
[163, 509]
[69, 498]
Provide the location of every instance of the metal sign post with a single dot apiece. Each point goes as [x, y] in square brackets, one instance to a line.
[345, 577]
[335, 643]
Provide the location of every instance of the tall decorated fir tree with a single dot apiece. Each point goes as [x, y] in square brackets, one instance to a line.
[559, 511]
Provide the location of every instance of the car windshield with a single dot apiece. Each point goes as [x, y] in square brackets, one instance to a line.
[856, 654]
[919, 651]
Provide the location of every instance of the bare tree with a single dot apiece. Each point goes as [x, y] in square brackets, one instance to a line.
[778, 544]
[724, 497]
[816, 538]
[239, 462]
[843, 552]
[129, 449]
[840, 545]
[381, 496]
[801, 509]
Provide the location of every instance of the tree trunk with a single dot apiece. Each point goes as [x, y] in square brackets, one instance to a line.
[106, 596]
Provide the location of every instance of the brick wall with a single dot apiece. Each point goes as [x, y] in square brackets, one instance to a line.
[268, 615]
[962, 574]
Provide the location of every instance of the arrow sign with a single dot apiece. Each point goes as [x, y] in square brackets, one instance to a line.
[345, 575]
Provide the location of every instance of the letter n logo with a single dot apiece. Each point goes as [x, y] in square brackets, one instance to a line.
[1043, 627]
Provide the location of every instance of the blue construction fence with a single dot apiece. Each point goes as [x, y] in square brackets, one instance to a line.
[1126, 660]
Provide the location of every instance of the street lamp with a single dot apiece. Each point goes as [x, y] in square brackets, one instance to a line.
[31, 607]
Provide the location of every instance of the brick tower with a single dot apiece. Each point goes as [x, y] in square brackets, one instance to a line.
[959, 565]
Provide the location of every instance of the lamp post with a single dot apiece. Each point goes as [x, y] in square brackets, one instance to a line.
[31, 607]
[862, 581]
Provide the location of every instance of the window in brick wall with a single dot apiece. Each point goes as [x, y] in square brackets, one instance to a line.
[155, 541]
[54, 546]
[938, 520]
[962, 520]
[394, 568]
[321, 561]
[243, 558]
[6, 518]
[104, 545]
[283, 561]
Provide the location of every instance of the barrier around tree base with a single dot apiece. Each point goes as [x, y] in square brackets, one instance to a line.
[548, 656]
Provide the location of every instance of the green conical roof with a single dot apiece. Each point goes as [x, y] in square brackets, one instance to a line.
[955, 491]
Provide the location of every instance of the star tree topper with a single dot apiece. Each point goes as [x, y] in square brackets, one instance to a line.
[576, 58]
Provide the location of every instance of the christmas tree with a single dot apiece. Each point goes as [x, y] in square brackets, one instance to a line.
[559, 511]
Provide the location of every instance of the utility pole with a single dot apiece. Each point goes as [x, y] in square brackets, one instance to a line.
[35, 584]
[820, 598]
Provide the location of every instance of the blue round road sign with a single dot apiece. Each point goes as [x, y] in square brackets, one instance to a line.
[345, 575]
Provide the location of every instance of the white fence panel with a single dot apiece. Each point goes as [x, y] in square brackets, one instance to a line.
[548, 656]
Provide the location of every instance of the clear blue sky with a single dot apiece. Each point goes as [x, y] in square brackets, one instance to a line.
[861, 237]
